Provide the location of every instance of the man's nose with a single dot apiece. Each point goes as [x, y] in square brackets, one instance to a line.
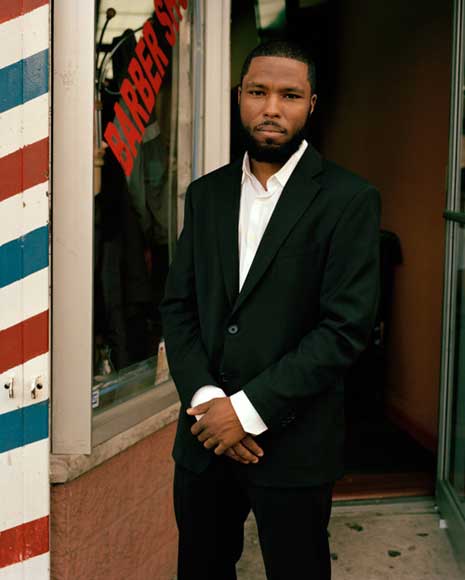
[272, 108]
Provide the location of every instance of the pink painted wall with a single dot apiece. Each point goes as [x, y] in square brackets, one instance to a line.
[116, 522]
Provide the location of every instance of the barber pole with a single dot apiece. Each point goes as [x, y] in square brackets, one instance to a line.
[24, 289]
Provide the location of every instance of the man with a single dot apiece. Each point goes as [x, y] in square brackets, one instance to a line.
[270, 298]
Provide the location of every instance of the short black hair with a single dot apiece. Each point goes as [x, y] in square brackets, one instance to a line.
[285, 49]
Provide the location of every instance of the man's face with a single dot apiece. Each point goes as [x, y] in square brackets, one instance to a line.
[275, 101]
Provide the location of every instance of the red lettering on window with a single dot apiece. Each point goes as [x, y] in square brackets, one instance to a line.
[139, 114]
[119, 148]
[141, 83]
[130, 132]
[147, 78]
[157, 53]
[165, 20]
[173, 7]
[147, 65]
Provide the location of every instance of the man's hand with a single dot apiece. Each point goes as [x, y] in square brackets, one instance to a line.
[246, 451]
[219, 428]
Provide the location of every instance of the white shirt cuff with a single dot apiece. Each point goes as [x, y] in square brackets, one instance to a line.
[250, 420]
[204, 394]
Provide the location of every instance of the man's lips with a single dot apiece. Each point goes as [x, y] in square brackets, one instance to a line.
[269, 129]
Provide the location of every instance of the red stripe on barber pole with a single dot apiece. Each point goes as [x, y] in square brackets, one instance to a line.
[23, 542]
[23, 342]
[13, 8]
[23, 169]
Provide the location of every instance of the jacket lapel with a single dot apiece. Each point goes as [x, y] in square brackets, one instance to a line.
[227, 202]
[297, 195]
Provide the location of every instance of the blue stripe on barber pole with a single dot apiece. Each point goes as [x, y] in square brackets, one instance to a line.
[23, 426]
[24, 80]
[23, 256]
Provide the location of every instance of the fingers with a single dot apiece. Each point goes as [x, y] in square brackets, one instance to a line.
[199, 410]
[204, 435]
[242, 451]
[220, 449]
[252, 446]
[246, 451]
[233, 455]
[210, 443]
[197, 428]
[208, 440]
[202, 408]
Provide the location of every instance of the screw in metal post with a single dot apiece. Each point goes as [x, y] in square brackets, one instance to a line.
[37, 385]
[10, 387]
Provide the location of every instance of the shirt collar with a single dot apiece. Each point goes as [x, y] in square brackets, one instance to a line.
[282, 176]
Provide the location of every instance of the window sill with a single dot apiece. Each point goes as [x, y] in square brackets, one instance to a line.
[115, 430]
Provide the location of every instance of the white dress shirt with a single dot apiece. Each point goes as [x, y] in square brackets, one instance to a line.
[256, 209]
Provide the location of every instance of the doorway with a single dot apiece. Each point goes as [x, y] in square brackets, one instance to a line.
[383, 74]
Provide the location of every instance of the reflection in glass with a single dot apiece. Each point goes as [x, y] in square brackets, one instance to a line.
[457, 462]
[135, 202]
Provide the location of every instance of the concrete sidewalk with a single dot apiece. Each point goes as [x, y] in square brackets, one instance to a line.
[395, 541]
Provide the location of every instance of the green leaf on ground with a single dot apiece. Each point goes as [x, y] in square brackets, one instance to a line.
[355, 526]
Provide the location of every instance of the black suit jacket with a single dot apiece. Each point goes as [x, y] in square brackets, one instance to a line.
[304, 313]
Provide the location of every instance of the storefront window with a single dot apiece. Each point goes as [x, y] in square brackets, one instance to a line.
[135, 191]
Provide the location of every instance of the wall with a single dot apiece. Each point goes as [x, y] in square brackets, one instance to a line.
[390, 124]
[116, 522]
[24, 289]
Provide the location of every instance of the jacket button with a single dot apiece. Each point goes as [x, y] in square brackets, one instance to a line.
[233, 329]
[224, 377]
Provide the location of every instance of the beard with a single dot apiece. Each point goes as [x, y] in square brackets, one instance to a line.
[269, 151]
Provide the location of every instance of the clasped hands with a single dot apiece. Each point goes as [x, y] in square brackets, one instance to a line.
[220, 429]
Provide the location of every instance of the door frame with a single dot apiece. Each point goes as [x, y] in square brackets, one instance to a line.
[446, 498]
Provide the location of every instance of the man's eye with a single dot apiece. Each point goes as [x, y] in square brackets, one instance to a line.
[256, 93]
[291, 96]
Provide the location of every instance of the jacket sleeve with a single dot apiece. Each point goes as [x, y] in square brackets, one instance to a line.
[187, 358]
[348, 302]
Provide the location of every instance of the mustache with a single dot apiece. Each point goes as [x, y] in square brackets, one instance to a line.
[273, 124]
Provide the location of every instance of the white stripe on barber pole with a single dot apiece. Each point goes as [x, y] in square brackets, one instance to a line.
[24, 298]
[24, 36]
[24, 213]
[31, 569]
[24, 466]
[24, 125]
[25, 375]
[32, 369]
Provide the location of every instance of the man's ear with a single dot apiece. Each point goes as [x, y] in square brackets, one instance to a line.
[313, 100]
[239, 92]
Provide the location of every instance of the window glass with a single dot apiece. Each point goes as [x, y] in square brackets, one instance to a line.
[135, 191]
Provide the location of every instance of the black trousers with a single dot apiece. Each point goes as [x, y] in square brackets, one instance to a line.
[211, 509]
